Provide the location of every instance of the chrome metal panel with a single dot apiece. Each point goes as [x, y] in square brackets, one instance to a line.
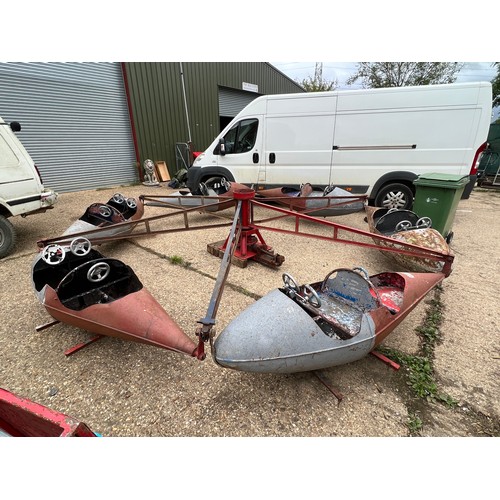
[275, 335]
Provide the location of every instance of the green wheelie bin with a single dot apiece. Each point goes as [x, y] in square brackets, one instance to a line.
[437, 196]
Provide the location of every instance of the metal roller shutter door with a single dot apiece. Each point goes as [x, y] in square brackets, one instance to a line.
[232, 101]
[75, 122]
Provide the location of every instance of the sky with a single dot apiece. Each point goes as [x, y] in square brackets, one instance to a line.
[341, 71]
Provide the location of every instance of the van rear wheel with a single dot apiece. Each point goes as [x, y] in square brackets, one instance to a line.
[7, 236]
[394, 196]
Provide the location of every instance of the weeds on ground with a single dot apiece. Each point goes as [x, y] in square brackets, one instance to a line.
[176, 260]
[429, 331]
[415, 424]
[420, 376]
[419, 368]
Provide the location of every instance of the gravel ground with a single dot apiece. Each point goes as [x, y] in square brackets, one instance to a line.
[122, 388]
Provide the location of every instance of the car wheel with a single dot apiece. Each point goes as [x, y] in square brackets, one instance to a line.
[7, 236]
[214, 183]
[395, 196]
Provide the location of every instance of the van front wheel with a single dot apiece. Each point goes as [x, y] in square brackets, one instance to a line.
[394, 196]
[7, 236]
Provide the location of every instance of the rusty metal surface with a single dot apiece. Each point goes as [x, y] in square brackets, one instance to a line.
[214, 199]
[285, 333]
[347, 322]
[424, 237]
[93, 218]
[117, 306]
[251, 227]
[276, 335]
[137, 317]
[428, 238]
[343, 234]
[126, 389]
[188, 200]
[416, 287]
[315, 201]
[144, 227]
[20, 417]
[249, 244]
[205, 332]
[324, 380]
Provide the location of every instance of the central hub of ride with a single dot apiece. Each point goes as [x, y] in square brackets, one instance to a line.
[244, 194]
[251, 244]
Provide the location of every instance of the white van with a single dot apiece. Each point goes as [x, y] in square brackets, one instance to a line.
[21, 189]
[372, 141]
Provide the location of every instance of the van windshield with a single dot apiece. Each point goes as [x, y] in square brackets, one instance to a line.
[241, 137]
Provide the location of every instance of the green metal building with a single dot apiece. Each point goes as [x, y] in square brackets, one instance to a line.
[188, 104]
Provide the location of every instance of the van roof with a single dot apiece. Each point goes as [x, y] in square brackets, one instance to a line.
[310, 95]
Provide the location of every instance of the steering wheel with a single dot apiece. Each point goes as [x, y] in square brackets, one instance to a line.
[362, 271]
[290, 283]
[203, 189]
[53, 254]
[328, 190]
[245, 144]
[98, 272]
[131, 203]
[404, 225]
[424, 222]
[105, 211]
[225, 183]
[312, 296]
[80, 246]
[118, 198]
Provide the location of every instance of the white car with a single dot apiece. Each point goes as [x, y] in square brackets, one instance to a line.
[21, 188]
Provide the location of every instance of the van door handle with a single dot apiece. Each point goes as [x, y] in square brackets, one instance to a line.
[272, 157]
[255, 158]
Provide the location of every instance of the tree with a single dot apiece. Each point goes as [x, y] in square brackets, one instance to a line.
[316, 83]
[496, 85]
[401, 74]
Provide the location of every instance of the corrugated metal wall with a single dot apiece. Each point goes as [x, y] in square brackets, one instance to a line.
[75, 122]
[158, 105]
[158, 109]
[232, 101]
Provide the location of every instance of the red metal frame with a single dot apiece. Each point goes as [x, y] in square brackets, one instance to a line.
[251, 243]
[386, 360]
[131, 116]
[20, 417]
[406, 248]
[251, 237]
[245, 243]
[251, 230]
[81, 345]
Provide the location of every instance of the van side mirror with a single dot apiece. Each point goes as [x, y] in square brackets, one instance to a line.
[15, 126]
[222, 146]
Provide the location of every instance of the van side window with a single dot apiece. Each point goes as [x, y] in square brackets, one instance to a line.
[241, 137]
[7, 157]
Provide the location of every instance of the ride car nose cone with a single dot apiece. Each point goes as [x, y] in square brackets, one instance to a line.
[269, 337]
